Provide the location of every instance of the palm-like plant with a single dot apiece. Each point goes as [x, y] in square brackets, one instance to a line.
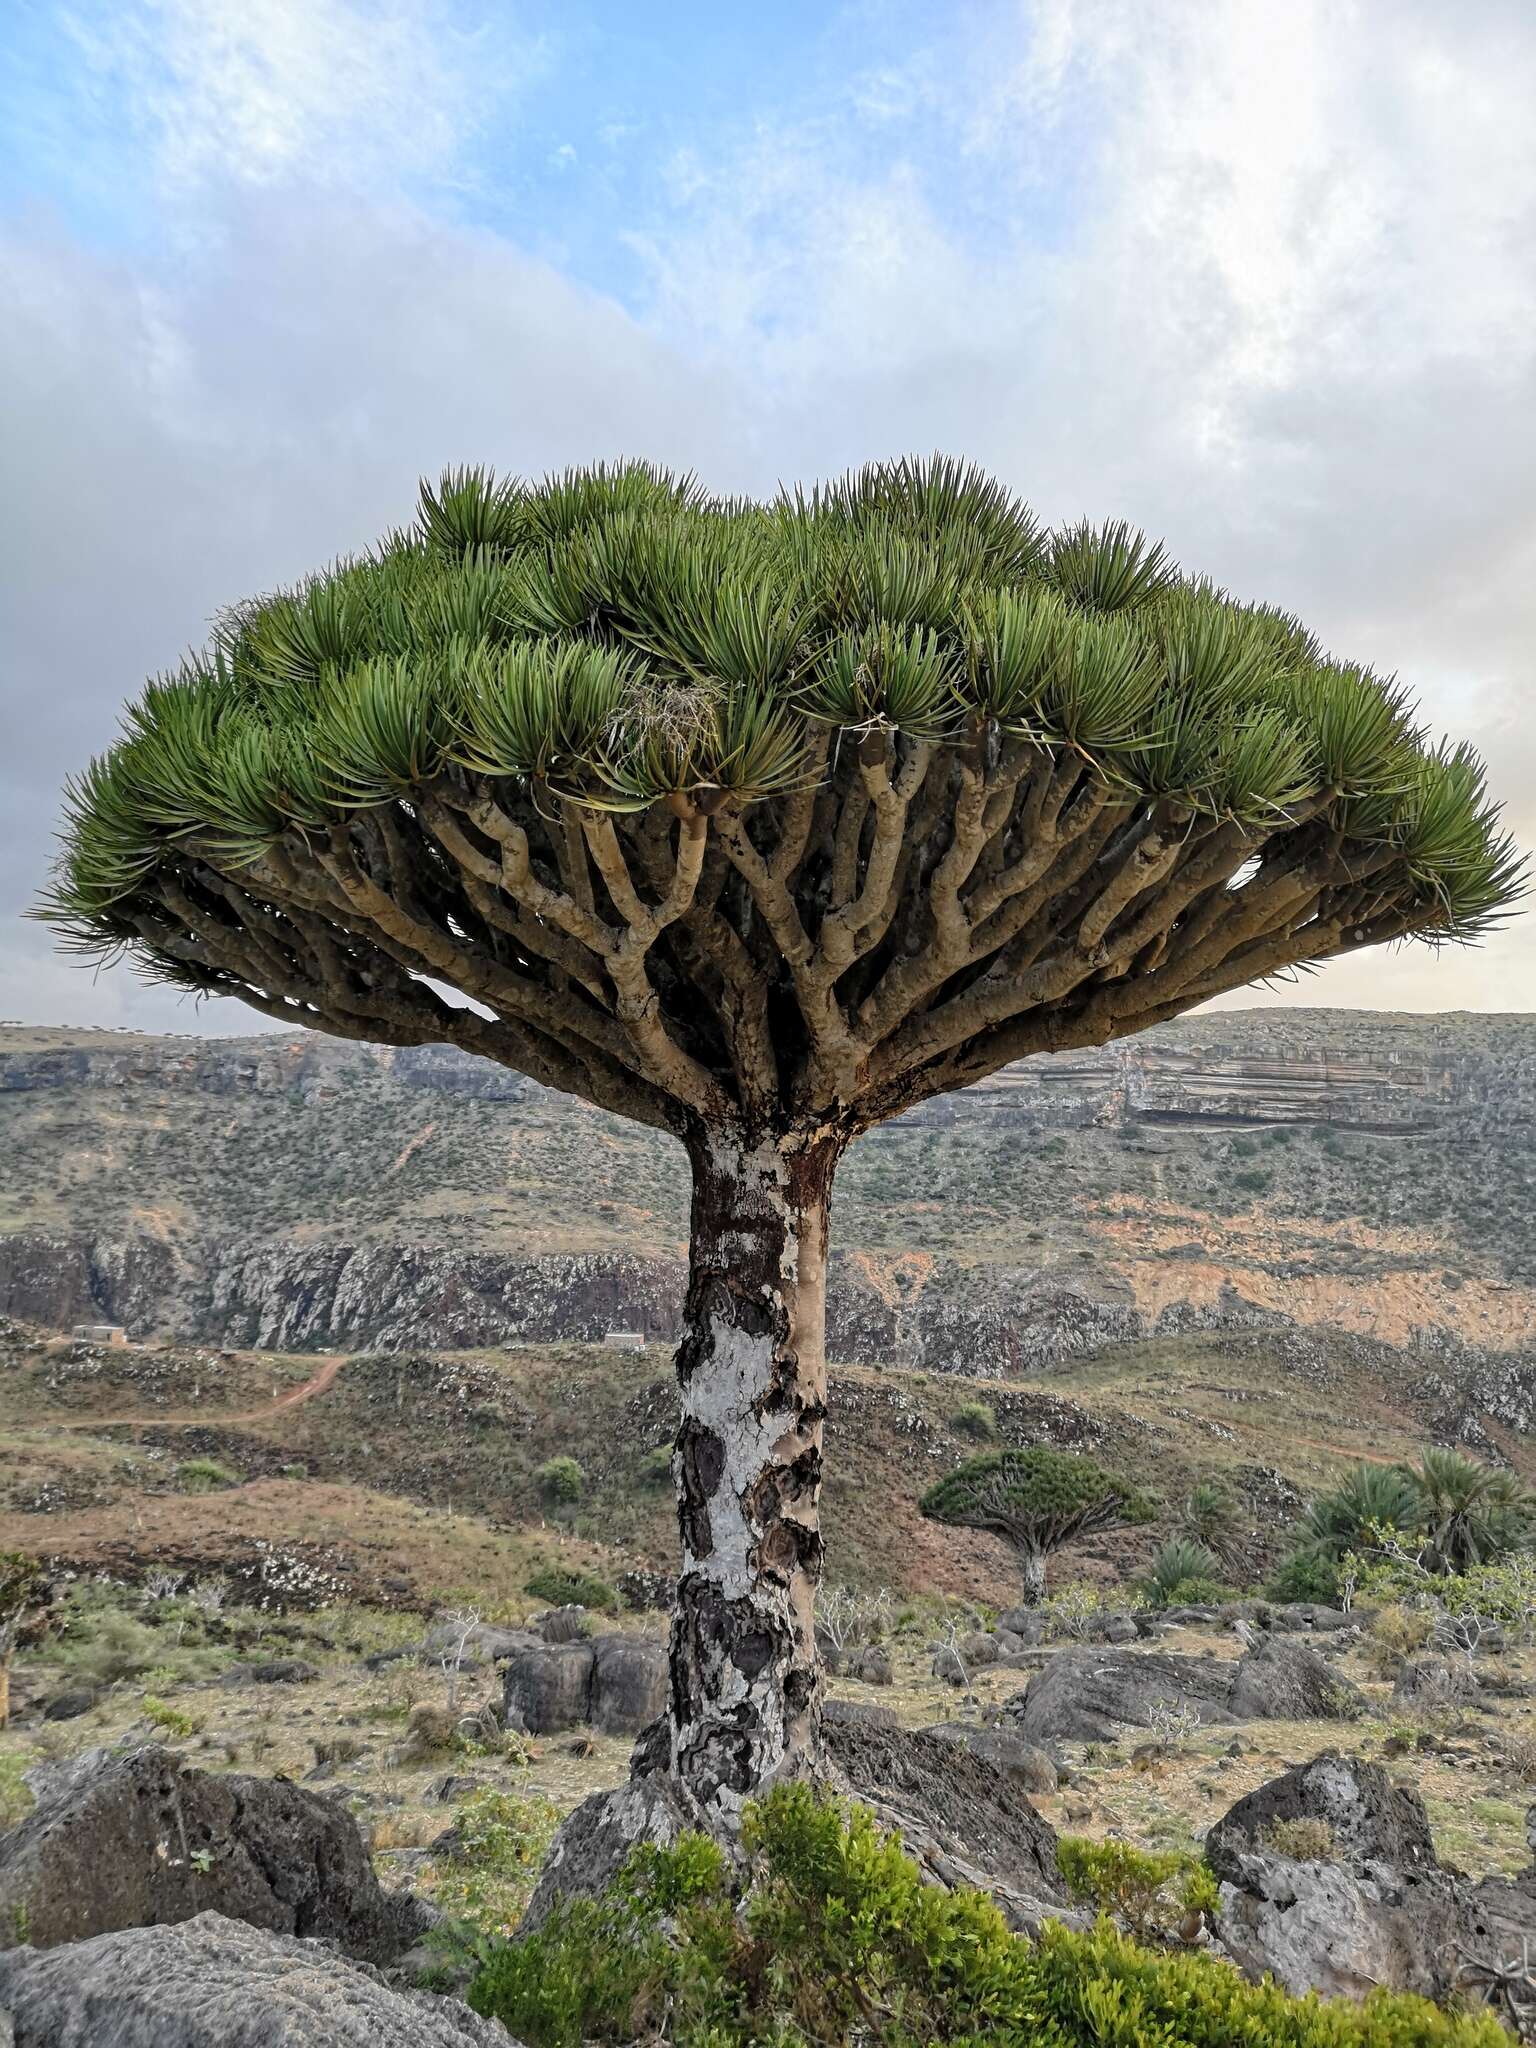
[1209, 1515]
[761, 823]
[1367, 1498]
[1469, 1513]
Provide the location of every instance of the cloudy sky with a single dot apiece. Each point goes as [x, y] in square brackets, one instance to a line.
[1261, 277]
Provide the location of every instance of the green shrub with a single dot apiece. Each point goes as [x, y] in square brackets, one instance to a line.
[204, 1475]
[975, 1419]
[1306, 1573]
[656, 1468]
[561, 1480]
[171, 1720]
[562, 1586]
[1183, 1572]
[1116, 1877]
[832, 1935]
[495, 1846]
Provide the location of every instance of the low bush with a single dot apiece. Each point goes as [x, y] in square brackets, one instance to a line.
[975, 1419]
[1395, 1633]
[1305, 1838]
[485, 1868]
[1306, 1573]
[1117, 1877]
[168, 1719]
[561, 1480]
[832, 1935]
[563, 1586]
[204, 1475]
[656, 1468]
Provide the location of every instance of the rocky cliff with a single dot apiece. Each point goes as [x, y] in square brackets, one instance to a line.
[1370, 1173]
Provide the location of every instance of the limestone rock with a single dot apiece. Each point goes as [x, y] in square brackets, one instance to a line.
[564, 1624]
[548, 1688]
[1088, 1695]
[1005, 1751]
[1373, 1820]
[629, 1683]
[210, 1982]
[1280, 1679]
[139, 1839]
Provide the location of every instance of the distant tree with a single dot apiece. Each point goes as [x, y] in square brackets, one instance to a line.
[761, 824]
[1468, 1513]
[1037, 1500]
[24, 1592]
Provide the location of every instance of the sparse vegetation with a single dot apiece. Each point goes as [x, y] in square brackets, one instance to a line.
[563, 1586]
[561, 1481]
[204, 1475]
[839, 1939]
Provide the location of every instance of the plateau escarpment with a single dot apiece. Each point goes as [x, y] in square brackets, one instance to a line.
[1367, 1173]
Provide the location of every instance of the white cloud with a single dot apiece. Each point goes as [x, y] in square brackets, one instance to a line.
[1260, 280]
[332, 92]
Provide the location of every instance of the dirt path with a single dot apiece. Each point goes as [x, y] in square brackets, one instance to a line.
[294, 1398]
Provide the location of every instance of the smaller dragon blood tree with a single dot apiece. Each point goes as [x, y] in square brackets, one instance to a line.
[1038, 1500]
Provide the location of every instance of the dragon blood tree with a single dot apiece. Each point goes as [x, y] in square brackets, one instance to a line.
[761, 823]
[1037, 1500]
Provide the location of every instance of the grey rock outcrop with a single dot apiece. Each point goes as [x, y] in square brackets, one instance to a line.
[617, 1683]
[1376, 1910]
[210, 1982]
[571, 1624]
[1006, 1751]
[1280, 1679]
[1089, 1695]
[139, 1839]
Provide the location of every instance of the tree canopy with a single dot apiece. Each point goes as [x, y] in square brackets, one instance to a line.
[1030, 789]
[1037, 1499]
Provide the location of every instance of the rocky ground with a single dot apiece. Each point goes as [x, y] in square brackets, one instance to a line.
[351, 1775]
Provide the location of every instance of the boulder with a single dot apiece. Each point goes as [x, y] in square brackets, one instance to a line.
[139, 1839]
[69, 1704]
[547, 1689]
[1319, 1927]
[1301, 1615]
[211, 1982]
[1027, 1623]
[1434, 1682]
[1372, 1819]
[1088, 1695]
[1280, 1679]
[629, 1683]
[272, 1671]
[859, 1710]
[1005, 1751]
[978, 1649]
[1379, 1910]
[564, 1625]
[646, 1592]
[871, 1665]
[483, 1644]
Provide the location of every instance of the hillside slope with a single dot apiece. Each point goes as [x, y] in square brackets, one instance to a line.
[1354, 1171]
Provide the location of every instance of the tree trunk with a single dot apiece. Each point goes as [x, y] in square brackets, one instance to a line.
[745, 1682]
[1032, 1565]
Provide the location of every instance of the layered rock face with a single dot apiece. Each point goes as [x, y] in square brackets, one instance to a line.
[1366, 1173]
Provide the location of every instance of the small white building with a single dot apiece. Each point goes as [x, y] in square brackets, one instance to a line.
[625, 1340]
[99, 1333]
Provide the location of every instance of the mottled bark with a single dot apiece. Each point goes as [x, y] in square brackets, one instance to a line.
[752, 1370]
[1032, 1571]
